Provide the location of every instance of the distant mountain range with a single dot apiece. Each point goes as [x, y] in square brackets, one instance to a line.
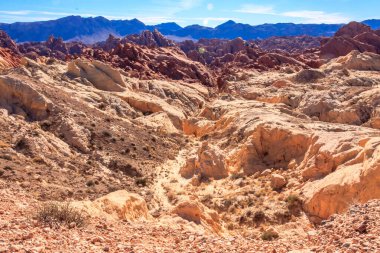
[96, 29]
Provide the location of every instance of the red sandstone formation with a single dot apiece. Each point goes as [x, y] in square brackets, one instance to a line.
[354, 36]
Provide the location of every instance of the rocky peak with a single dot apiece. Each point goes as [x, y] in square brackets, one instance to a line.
[151, 39]
[56, 44]
[353, 29]
[111, 43]
[236, 45]
[7, 42]
[353, 36]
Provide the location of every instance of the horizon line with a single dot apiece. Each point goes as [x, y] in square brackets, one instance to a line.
[174, 22]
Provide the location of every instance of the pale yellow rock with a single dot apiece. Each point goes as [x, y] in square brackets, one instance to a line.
[356, 61]
[159, 121]
[356, 183]
[101, 75]
[75, 135]
[196, 212]
[19, 97]
[119, 205]
[336, 158]
[150, 104]
[209, 163]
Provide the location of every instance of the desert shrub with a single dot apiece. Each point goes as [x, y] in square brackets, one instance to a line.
[294, 204]
[107, 134]
[259, 216]
[292, 199]
[230, 226]
[8, 168]
[235, 176]
[269, 235]
[141, 181]
[90, 183]
[56, 214]
[206, 199]
[283, 216]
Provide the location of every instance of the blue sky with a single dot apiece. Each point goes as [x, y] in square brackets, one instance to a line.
[187, 12]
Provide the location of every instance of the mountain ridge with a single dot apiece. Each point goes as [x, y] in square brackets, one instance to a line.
[77, 27]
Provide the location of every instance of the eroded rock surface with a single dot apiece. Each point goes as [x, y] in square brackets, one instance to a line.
[18, 97]
[219, 149]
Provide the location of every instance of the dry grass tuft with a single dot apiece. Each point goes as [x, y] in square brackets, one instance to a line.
[56, 214]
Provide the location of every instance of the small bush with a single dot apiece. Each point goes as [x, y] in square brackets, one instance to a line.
[236, 176]
[292, 199]
[8, 168]
[90, 183]
[294, 204]
[269, 235]
[259, 216]
[55, 214]
[107, 134]
[141, 181]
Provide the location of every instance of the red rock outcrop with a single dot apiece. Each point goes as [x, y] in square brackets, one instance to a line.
[150, 39]
[353, 29]
[290, 44]
[7, 42]
[9, 53]
[238, 53]
[353, 36]
[144, 62]
[52, 47]
[8, 59]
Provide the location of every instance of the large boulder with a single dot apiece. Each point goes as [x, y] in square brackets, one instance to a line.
[352, 184]
[19, 97]
[101, 75]
[194, 211]
[277, 182]
[208, 163]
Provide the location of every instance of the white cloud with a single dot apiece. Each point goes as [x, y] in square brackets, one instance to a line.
[46, 13]
[206, 21]
[210, 6]
[317, 16]
[305, 16]
[256, 9]
[189, 4]
[25, 12]
[155, 20]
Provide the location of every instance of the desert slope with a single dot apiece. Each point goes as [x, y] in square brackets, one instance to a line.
[162, 152]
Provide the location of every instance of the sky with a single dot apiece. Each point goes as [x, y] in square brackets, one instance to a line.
[188, 12]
